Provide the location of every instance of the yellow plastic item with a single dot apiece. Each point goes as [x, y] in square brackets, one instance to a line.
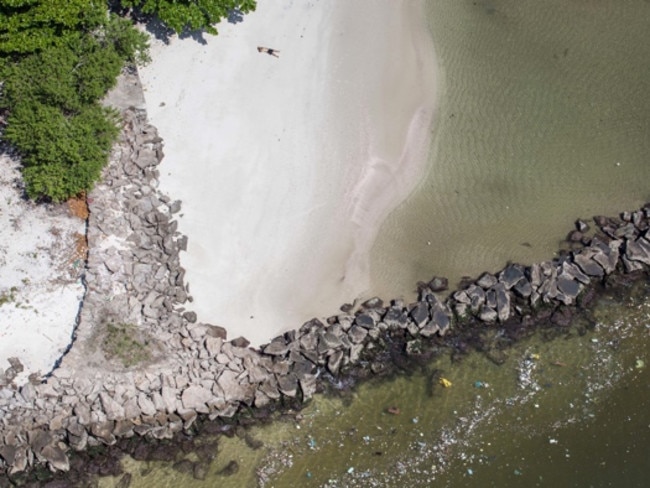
[445, 382]
[534, 356]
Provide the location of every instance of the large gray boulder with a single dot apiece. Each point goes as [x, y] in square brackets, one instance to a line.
[511, 275]
[420, 314]
[196, 397]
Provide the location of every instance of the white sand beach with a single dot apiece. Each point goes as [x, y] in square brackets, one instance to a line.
[287, 166]
[40, 285]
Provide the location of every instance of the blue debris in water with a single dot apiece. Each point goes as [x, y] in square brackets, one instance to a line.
[312, 443]
[470, 471]
[308, 474]
[478, 384]
[517, 472]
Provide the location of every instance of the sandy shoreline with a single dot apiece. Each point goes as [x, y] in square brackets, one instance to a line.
[286, 167]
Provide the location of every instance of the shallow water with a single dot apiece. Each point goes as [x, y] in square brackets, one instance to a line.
[567, 411]
[544, 118]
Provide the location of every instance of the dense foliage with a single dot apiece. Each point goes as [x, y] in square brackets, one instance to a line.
[180, 15]
[58, 58]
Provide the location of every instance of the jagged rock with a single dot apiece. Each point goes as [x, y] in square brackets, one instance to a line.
[39, 439]
[523, 288]
[429, 329]
[364, 320]
[104, 431]
[569, 289]
[146, 405]
[438, 284]
[488, 314]
[21, 459]
[395, 317]
[582, 226]
[462, 297]
[503, 301]
[374, 302]
[190, 316]
[276, 348]
[16, 364]
[491, 298]
[215, 331]
[112, 409]
[288, 385]
[535, 275]
[169, 398]
[486, 281]
[420, 314]
[328, 341]
[213, 345]
[229, 383]
[196, 398]
[8, 453]
[573, 272]
[357, 334]
[334, 362]
[307, 385]
[608, 255]
[441, 320]
[240, 342]
[476, 296]
[638, 250]
[56, 458]
[511, 275]
[587, 265]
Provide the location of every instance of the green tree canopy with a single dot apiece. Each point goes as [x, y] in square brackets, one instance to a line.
[52, 85]
[180, 15]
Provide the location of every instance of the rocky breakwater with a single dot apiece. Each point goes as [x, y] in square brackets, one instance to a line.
[141, 367]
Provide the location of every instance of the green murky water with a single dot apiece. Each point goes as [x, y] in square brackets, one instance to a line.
[567, 411]
[544, 117]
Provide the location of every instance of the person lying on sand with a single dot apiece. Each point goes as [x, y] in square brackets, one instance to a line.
[268, 50]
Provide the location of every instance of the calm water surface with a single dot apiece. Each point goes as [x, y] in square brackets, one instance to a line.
[544, 118]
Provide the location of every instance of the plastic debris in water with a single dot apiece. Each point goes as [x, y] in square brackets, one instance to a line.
[470, 471]
[350, 470]
[308, 474]
[535, 357]
[517, 472]
[415, 420]
[445, 382]
[639, 364]
[552, 441]
[312, 443]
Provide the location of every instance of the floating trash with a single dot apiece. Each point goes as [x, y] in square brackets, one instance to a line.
[445, 382]
[350, 470]
[553, 441]
[470, 471]
[415, 420]
[639, 364]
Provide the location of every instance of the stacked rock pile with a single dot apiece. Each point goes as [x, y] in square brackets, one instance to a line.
[134, 277]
